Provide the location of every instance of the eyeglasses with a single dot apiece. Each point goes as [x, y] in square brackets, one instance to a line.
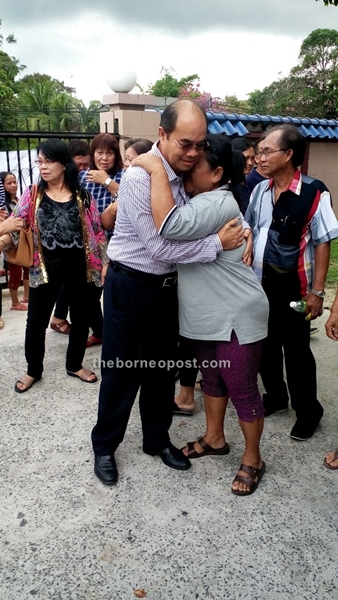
[267, 153]
[186, 147]
[46, 161]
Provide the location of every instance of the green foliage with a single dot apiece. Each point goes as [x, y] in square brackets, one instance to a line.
[332, 2]
[311, 89]
[332, 274]
[168, 85]
[232, 104]
[28, 81]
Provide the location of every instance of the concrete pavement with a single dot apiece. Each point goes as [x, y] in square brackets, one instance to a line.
[177, 536]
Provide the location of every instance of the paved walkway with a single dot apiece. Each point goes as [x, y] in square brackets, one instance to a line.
[177, 536]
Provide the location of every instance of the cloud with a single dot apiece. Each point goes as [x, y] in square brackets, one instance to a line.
[178, 17]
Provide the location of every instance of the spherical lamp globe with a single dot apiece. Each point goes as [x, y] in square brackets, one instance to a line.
[122, 82]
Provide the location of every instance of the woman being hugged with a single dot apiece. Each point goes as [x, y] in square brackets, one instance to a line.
[222, 306]
[69, 247]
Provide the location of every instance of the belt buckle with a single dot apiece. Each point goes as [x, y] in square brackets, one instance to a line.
[171, 281]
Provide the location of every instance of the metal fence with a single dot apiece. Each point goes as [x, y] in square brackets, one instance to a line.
[18, 150]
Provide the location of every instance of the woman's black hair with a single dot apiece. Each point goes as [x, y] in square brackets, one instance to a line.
[3, 176]
[242, 144]
[142, 146]
[219, 153]
[58, 151]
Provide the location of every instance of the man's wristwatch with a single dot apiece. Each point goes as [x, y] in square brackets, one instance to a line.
[108, 182]
[318, 293]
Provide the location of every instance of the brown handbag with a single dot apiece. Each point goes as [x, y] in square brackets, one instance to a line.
[22, 254]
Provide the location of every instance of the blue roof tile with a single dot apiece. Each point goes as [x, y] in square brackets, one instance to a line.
[235, 124]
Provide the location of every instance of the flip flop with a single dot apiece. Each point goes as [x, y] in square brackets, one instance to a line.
[19, 307]
[84, 380]
[207, 450]
[19, 391]
[185, 412]
[249, 479]
[328, 466]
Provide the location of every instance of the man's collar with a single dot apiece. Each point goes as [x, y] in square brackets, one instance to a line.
[171, 174]
[295, 185]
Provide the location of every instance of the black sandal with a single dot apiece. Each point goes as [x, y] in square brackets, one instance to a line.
[249, 479]
[207, 450]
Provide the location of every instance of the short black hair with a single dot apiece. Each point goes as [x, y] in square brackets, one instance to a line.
[131, 142]
[242, 144]
[170, 114]
[219, 153]
[78, 148]
[291, 138]
[142, 146]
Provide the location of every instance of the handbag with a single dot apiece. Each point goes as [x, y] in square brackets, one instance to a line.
[22, 254]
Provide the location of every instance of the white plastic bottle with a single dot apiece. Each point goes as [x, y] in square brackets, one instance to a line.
[300, 306]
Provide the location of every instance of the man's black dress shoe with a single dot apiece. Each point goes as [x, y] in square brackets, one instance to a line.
[275, 406]
[106, 470]
[304, 429]
[173, 457]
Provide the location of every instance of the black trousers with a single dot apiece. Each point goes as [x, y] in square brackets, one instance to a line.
[288, 339]
[41, 302]
[140, 335]
[187, 356]
[94, 308]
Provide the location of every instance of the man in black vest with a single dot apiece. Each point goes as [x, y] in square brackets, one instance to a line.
[293, 223]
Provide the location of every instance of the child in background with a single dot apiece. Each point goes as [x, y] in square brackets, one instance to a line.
[16, 273]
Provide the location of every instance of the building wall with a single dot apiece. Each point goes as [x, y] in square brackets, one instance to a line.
[323, 164]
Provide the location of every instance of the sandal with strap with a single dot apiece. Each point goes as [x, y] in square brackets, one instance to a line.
[207, 450]
[249, 479]
[328, 466]
[57, 327]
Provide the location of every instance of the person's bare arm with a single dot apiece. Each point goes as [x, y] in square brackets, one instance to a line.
[100, 177]
[331, 325]
[108, 216]
[322, 259]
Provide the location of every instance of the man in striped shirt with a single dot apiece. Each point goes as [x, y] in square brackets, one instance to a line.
[293, 223]
[140, 300]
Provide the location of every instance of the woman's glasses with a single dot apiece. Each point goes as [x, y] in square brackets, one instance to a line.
[46, 161]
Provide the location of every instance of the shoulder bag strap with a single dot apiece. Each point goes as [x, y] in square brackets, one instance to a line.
[33, 195]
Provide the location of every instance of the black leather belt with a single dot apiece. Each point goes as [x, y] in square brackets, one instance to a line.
[166, 280]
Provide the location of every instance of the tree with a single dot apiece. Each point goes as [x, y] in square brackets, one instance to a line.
[333, 2]
[59, 86]
[311, 89]
[9, 69]
[168, 85]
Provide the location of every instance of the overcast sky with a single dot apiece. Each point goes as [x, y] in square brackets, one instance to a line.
[235, 46]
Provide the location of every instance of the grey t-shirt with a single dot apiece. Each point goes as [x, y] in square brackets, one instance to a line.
[217, 297]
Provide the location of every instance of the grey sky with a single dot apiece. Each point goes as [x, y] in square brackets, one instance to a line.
[236, 46]
[296, 17]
